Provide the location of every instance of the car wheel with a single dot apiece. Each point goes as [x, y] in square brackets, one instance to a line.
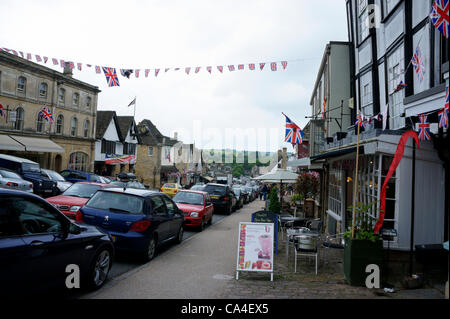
[202, 226]
[150, 252]
[180, 235]
[210, 220]
[100, 269]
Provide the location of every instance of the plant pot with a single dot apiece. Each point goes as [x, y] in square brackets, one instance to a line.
[358, 254]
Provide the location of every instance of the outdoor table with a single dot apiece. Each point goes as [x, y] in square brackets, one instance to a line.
[298, 221]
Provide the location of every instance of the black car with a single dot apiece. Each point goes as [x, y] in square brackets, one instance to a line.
[222, 197]
[30, 171]
[138, 220]
[38, 244]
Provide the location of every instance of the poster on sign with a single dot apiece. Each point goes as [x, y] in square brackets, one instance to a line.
[255, 248]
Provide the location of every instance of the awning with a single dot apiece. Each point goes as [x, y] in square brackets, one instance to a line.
[338, 153]
[299, 162]
[34, 144]
[168, 169]
[8, 144]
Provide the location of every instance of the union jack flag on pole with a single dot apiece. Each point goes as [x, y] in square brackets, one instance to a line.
[111, 76]
[294, 134]
[439, 16]
[360, 121]
[47, 115]
[424, 128]
[2, 111]
[419, 65]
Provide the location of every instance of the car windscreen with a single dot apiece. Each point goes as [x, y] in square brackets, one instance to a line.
[118, 184]
[117, 202]
[215, 190]
[55, 176]
[237, 191]
[198, 188]
[81, 190]
[188, 198]
[29, 167]
[8, 174]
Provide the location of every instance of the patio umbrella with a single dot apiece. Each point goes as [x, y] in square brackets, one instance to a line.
[281, 176]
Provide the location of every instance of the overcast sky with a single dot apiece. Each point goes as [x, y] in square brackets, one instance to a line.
[203, 108]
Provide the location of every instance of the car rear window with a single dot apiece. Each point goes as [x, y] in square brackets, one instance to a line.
[169, 186]
[117, 202]
[217, 190]
[188, 198]
[7, 174]
[82, 190]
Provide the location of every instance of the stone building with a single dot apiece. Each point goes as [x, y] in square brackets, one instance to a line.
[25, 88]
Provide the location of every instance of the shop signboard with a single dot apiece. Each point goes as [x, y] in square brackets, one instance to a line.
[111, 159]
[255, 248]
[266, 216]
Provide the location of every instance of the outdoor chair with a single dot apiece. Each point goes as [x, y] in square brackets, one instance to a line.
[314, 225]
[290, 238]
[332, 242]
[306, 245]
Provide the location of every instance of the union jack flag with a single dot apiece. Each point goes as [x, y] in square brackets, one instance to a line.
[231, 68]
[360, 121]
[294, 134]
[240, 67]
[273, 66]
[2, 111]
[261, 65]
[46, 114]
[417, 62]
[38, 58]
[97, 69]
[111, 76]
[284, 64]
[444, 113]
[439, 16]
[251, 66]
[424, 128]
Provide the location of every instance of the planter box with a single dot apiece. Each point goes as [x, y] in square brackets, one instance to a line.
[358, 254]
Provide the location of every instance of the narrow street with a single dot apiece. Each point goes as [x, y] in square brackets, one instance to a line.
[197, 268]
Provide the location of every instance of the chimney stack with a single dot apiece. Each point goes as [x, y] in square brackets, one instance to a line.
[67, 70]
[284, 158]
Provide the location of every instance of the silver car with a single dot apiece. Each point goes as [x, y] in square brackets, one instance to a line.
[11, 180]
[61, 182]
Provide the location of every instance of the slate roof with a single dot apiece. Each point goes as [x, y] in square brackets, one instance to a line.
[155, 136]
[102, 122]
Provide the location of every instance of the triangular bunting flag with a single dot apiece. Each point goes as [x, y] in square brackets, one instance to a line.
[240, 67]
[156, 72]
[147, 71]
[45, 59]
[273, 66]
[38, 58]
[187, 70]
[231, 68]
[220, 68]
[28, 56]
[97, 69]
[284, 64]
[261, 65]
[136, 73]
[166, 69]
[79, 66]
[55, 61]
[63, 63]
[251, 66]
[209, 69]
[197, 69]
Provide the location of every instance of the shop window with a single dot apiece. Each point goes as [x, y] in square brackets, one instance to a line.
[78, 161]
[335, 193]
[60, 124]
[395, 75]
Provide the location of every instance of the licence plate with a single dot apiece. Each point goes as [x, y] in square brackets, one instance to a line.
[48, 191]
[215, 197]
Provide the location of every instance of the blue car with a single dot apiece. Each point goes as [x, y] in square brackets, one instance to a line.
[138, 220]
[38, 243]
[74, 176]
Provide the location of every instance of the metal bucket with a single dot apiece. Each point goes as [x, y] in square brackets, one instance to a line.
[306, 242]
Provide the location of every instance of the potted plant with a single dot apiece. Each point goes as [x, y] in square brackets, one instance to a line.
[363, 248]
[307, 184]
[297, 199]
[274, 202]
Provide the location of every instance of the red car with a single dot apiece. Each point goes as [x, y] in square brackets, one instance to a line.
[197, 207]
[75, 197]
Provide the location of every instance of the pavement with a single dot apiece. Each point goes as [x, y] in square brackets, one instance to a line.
[203, 267]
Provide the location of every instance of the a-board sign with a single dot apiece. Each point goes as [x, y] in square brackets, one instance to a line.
[266, 216]
[255, 248]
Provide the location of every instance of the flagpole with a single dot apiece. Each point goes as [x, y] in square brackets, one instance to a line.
[355, 185]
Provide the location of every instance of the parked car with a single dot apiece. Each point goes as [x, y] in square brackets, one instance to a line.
[222, 197]
[170, 188]
[29, 171]
[37, 242]
[198, 187]
[138, 220]
[197, 208]
[239, 197]
[125, 177]
[105, 180]
[11, 180]
[74, 176]
[134, 184]
[70, 202]
[251, 193]
[61, 182]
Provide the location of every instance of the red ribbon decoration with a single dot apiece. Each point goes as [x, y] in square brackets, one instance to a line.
[397, 158]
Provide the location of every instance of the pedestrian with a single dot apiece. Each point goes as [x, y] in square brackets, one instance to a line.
[265, 190]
